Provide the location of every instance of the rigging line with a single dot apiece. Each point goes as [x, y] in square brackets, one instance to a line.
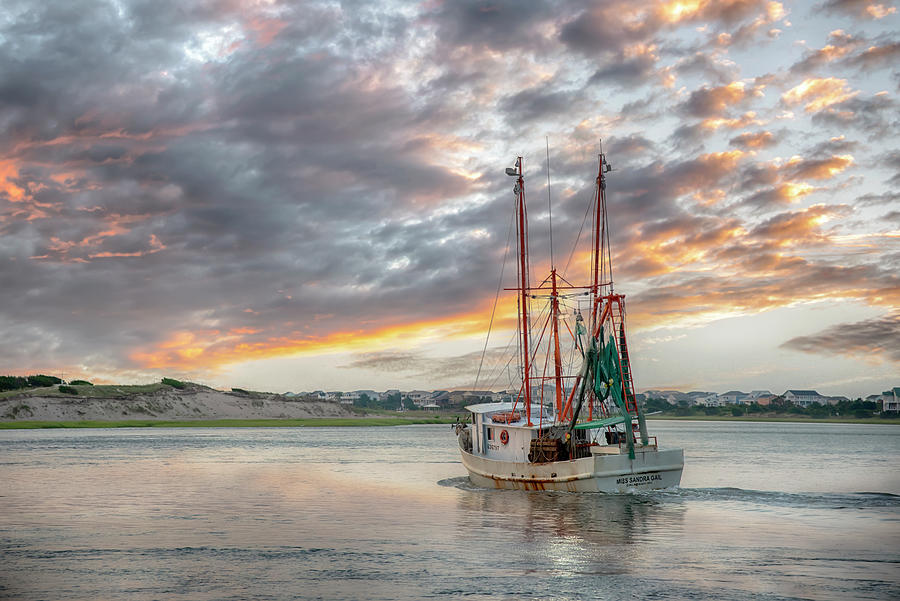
[499, 374]
[578, 238]
[496, 300]
[496, 370]
[550, 206]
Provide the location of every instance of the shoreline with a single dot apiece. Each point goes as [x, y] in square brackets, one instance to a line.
[781, 419]
[311, 422]
[372, 421]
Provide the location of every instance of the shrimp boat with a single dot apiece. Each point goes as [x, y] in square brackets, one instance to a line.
[581, 431]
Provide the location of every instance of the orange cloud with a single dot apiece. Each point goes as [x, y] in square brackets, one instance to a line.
[745, 120]
[817, 94]
[818, 168]
[682, 11]
[879, 11]
[796, 228]
[211, 348]
[756, 140]
[8, 171]
[155, 247]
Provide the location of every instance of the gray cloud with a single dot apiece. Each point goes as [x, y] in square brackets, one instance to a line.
[263, 177]
[871, 338]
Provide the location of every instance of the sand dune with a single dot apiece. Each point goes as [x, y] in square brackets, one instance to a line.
[166, 403]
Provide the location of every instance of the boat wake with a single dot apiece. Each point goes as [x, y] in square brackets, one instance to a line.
[823, 500]
[818, 500]
[461, 482]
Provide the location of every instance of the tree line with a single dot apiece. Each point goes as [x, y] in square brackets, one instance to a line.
[36, 381]
[779, 405]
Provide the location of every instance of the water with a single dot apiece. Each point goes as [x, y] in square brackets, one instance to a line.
[766, 511]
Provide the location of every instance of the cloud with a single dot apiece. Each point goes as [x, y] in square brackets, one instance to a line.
[872, 339]
[757, 140]
[824, 168]
[711, 102]
[817, 94]
[891, 160]
[184, 188]
[460, 369]
[499, 25]
[875, 115]
[863, 9]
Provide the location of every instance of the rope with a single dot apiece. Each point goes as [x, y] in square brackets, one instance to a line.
[578, 238]
[496, 300]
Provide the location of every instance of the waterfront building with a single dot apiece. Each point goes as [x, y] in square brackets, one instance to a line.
[804, 398]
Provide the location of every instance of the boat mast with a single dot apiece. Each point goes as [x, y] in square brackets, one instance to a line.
[595, 249]
[557, 359]
[522, 231]
[611, 306]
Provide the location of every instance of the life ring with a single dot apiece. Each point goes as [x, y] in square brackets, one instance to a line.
[504, 437]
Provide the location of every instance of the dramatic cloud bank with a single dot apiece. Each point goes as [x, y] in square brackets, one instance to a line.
[186, 188]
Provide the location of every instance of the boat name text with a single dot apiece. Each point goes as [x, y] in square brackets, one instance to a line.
[642, 479]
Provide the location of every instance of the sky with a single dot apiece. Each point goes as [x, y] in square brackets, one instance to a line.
[292, 196]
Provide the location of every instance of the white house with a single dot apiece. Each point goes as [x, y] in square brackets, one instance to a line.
[348, 398]
[709, 400]
[419, 397]
[890, 399]
[735, 397]
[804, 398]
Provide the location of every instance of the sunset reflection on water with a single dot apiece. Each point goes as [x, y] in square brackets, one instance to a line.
[387, 513]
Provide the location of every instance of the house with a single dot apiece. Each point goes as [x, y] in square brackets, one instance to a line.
[469, 397]
[765, 400]
[418, 397]
[348, 398]
[735, 397]
[755, 394]
[383, 396]
[319, 395]
[890, 399]
[441, 398]
[710, 399]
[803, 398]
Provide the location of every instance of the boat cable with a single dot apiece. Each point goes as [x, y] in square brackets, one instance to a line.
[496, 300]
[578, 237]
[498, 367]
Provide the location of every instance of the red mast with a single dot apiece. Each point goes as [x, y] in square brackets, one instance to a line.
[522, 228]
[557, 360]
[598, 212]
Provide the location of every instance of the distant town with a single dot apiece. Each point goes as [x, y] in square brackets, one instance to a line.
[735, 402]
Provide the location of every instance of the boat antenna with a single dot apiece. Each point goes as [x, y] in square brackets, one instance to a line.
[549, 205]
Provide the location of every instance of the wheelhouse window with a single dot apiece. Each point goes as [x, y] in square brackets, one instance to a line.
[490, 433]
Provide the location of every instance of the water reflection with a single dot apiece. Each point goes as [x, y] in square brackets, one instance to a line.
[567, 533]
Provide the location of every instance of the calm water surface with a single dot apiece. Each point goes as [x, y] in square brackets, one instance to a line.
[766, 511]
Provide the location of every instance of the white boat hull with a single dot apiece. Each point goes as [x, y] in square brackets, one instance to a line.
[649, 470]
